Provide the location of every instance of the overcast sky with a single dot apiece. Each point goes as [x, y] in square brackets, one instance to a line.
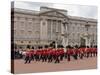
[73, 10]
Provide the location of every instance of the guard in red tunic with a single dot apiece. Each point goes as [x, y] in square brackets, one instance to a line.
[45, 55]
[37, 55]
[68, 54]
[43, 58]
[30, 56]
[65, 53]
[84, 49]
[26, 57]
[57, 57]
[50, 56]
[81, 53]
[88, 52]
[54, 54]
[42, 55]
[94, 51]
[61, 53]
[75, 52]
[33, 53]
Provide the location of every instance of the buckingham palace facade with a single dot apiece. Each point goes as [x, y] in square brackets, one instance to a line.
[51, 25]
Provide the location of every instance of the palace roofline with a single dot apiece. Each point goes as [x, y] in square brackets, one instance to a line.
[53, 8]
[33, 12]
[82, 18]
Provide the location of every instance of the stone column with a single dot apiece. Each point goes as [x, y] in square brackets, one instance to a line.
[43, 30]
[51, 28]
[63, 40]
[56, 26]
[67, 34]
[87, 41]
[67, 41]
[62, 28]
[62, 33]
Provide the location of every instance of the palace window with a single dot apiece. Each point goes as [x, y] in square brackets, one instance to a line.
[29, 41]
[43, 23]
[22, 24]
[22, 32]
[18, 18]
[26, 18]
[29, 32]
[49, 28]
[30, 23]
[14, 31]
[54, 26]
[21, 41]
[59, 26]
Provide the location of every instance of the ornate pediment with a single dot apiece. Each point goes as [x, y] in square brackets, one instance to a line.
[53, 14]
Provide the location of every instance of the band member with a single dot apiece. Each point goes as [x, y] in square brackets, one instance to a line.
[45, 55]
[57, 57]
[54, 53]
[87, 51]
[37, 55]
[65, 53]
[32, 53]
[81, 53]
[90, 52]
[28, 57]
[50, 56]
[61, 54]
[75, 52]
[69, 52]
[94, 51]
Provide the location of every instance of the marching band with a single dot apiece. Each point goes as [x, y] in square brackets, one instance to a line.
[57, 55]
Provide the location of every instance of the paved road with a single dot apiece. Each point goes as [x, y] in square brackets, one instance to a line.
[86, 63]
